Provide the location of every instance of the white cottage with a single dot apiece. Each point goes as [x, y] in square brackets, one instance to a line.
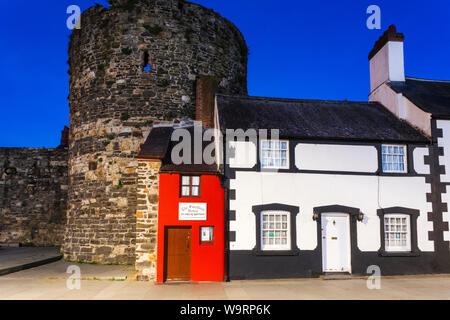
[346, 185]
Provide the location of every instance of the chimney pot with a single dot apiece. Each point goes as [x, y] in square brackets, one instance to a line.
[389, 35]
[386, 59]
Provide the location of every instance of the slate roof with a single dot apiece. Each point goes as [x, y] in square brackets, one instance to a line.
[315, 119]
[158, 146]
[431, 96]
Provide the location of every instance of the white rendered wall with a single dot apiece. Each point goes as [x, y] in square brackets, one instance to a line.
[444, 143]
[312, 190]
[396, 61]
[326, 157]
[402, 107]
[419, 160]
[446, 214]
[387, 65]
[444, 160]
[244, 154]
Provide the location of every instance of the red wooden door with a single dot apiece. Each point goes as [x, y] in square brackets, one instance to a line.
[178, 254]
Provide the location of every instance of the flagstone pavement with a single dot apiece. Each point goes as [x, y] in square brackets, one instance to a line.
[99, 282]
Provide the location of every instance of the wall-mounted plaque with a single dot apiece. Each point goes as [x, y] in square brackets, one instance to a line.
[192, 211]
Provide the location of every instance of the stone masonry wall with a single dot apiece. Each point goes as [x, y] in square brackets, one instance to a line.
[33, 195]
[114, 103]
[147, 219]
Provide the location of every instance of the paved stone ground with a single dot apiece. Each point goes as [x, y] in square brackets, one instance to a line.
[17, 258]
[49, 283]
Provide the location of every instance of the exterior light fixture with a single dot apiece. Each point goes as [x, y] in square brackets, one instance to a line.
[315, 216]
[360, 216]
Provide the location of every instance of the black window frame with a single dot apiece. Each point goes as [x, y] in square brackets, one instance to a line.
[293, 210]
[413, 215]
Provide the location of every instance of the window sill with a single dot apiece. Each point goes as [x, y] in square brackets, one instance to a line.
[277, 253]
[397, 174]
[398, 254]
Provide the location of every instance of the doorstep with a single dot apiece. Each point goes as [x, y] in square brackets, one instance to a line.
[339, 276]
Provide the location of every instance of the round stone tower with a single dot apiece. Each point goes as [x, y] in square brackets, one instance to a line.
[133, 65]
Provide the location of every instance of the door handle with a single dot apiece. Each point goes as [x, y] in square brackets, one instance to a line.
[334, 238]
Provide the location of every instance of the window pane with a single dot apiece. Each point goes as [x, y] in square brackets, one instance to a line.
[185, 180]
[195, 191]
[397, 232]
[274, 154]
[393, 159]
[274, 233]
[195, 181]
[185, 191]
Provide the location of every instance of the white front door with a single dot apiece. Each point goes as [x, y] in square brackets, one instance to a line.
[336, 242]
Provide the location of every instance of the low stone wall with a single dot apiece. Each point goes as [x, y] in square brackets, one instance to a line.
[33, 195]
[147, 219]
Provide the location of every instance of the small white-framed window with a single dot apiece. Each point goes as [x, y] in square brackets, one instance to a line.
[397, 232]
[275, 230]
[274, 154]
[394, 158]
[190, 186]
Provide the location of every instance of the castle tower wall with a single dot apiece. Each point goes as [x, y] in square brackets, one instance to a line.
[114, 102]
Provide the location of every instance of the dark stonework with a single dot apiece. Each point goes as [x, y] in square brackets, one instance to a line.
[114, 103]
[33, 195]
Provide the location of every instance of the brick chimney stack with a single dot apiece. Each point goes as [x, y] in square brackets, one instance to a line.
[205, 99]
[386, 59]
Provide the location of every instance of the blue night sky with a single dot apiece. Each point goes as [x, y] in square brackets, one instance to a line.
[298, 49]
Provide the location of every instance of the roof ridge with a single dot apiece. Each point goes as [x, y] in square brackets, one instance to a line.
[427, 80]
[293, 99]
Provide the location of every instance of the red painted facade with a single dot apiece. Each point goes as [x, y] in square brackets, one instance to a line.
[207, 260]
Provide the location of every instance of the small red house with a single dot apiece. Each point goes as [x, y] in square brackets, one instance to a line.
[190, 236]
[190, 227]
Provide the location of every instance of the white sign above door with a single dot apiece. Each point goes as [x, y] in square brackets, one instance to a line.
[192, 212]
